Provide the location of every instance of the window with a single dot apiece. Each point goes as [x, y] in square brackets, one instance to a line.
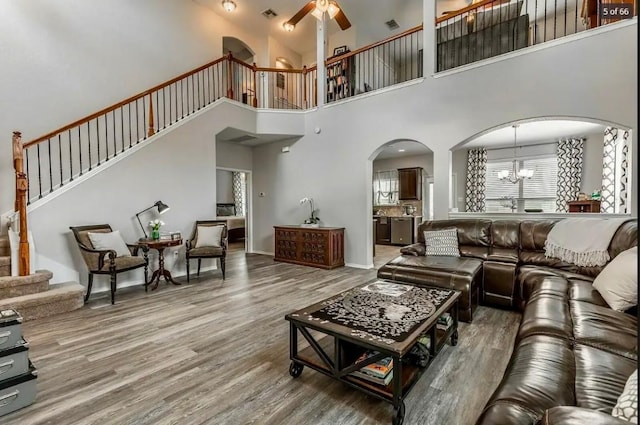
[385, 188]
[539, 192]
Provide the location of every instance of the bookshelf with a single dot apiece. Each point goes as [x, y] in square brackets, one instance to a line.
[341, 77]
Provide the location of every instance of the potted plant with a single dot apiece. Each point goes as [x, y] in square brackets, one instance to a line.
[313, 220]
[155, 228]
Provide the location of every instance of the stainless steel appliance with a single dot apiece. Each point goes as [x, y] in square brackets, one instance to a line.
[402, 230]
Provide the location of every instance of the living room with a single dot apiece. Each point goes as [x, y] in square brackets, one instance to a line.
[325, 153]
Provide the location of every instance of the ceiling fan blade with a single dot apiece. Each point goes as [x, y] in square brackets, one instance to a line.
[341, 19]
[302, 12]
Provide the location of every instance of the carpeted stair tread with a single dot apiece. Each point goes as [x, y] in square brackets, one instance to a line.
[15, 286]
[60, 298]
[5, 249]
[5, 265]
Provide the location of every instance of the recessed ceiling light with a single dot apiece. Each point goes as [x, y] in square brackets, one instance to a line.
[401, 150]
[288, 27]
[228, 5]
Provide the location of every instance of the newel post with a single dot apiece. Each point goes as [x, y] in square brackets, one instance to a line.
[230, 77]
[151, 130]
[21, 204]
[255, 86]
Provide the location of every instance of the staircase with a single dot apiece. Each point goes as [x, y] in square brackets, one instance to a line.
[31, 295]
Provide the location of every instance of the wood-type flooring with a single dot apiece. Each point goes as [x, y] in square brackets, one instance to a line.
[214, 352]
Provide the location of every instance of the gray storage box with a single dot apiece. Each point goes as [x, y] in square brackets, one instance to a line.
[18, 392]
[14, 361]
[10, 329]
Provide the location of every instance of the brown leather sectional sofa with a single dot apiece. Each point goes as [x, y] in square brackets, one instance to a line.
[573, 354]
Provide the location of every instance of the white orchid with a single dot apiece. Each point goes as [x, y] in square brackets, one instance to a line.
[155, 224]
[313, 219]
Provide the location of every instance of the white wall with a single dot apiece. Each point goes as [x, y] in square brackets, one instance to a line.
[335, 166]
[176, 166]
[234, 155]
[224, 187]
[87, 55]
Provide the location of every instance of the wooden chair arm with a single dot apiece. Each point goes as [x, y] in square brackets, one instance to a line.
[133, 247]
[101, 254]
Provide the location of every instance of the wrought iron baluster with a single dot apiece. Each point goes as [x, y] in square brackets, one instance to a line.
[39, 171]
[89, 144]
[70, 155]
[60, 158]
[50, 166]
[26, 157]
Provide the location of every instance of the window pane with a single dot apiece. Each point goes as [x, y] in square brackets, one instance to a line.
[544, 182]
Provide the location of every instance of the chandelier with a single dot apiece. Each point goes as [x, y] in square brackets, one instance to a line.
[514, 175]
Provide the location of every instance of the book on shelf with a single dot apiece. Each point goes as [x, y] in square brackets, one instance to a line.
[380, 381]
[379, 369]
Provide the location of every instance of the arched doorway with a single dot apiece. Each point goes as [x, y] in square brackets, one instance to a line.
[242, 88]
[401, 196]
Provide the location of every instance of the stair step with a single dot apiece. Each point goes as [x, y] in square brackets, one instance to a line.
[60, 298]
[5, 249]
[16, 286]
[5, 265]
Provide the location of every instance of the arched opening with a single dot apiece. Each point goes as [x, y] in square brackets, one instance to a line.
[401, 188]
[550, 165]
[242, 88]
[238, 48]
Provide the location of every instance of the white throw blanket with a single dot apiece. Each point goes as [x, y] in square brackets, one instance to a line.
[582, 241]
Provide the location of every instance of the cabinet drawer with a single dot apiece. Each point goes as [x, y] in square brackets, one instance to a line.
[10, 328]
[18, 392]
[14, 361]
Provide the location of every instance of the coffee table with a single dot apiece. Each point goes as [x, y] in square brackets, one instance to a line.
[381, 317]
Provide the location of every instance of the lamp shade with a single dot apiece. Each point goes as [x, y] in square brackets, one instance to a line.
[162, 207]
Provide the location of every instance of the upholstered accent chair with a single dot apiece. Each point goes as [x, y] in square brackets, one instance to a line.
[200, 251]
[107, 262]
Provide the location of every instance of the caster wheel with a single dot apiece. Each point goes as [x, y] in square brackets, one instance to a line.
[398, 414]
[295, 369]
[454, 338]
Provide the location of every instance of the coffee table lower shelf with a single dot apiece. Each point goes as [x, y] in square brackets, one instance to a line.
[335, 356]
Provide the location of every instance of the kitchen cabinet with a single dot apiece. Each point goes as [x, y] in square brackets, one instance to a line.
[410, 184]
[383, 230]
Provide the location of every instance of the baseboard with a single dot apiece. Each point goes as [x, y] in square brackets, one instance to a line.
[270, 254]
[100, 287]
[359, 266]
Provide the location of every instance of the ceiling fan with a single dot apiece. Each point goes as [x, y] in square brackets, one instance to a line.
[317, 9]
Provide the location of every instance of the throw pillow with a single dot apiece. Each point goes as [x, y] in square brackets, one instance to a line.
[618, 281]
[209, 236]
[627, 406]
[442, 242]
[111, 240]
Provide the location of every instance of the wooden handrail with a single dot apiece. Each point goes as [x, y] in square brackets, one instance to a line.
[467, 9]
[21, 203]
[229, 57]
[122, 103]
[374, 45]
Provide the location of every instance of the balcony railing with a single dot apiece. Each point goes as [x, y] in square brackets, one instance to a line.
[493, 27]
[379, 65]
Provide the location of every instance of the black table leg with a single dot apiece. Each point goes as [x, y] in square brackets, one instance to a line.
[398, 404]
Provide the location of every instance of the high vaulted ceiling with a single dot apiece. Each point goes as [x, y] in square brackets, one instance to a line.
[367, 17]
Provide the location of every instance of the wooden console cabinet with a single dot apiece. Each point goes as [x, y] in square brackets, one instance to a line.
[310, 246]
[590, 206]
